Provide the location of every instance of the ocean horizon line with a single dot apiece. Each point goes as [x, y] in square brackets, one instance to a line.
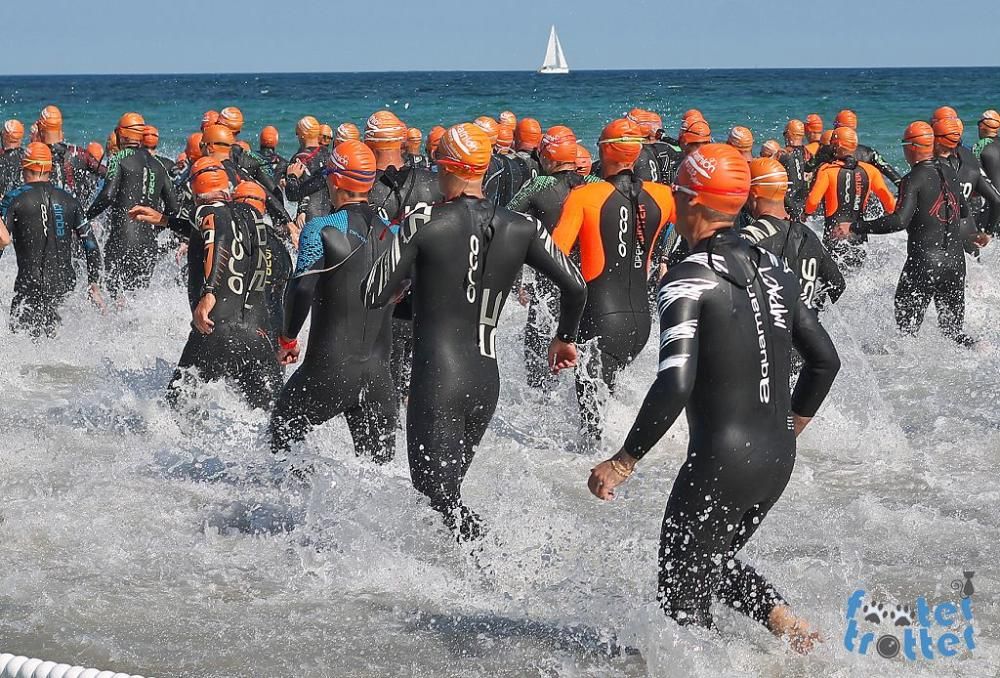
[506, 71]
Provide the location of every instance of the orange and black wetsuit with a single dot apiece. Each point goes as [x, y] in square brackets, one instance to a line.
[845, 187]
[619, 225]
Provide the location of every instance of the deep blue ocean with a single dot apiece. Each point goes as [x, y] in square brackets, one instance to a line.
[886, 100]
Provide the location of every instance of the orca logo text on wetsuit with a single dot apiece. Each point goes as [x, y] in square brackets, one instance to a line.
[622, 230]
[235, 281]
[470, 289]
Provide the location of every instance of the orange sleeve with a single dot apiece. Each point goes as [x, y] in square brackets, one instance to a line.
[881, 190]
[664, 198]
[817, 193]
[567, 229]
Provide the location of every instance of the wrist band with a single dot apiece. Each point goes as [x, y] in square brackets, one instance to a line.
[566, 338]
[620, 468]
[288, 344]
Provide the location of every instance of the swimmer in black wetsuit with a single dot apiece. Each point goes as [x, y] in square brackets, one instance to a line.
[793, 157]
[304, 181]
[11, 175]
[729, 317]
[930, 209]
[269, 151]
[789, 240]
[412, 155]
[527, 137]
[133, 178]
[867, 154]
[979, 192]
[90, 176]
[986, 149]
[151, 141]
[462, 256]
[346, 368]
[43, 221]
[228, 339]
[543, 199]
[517, 170]
[619, 224]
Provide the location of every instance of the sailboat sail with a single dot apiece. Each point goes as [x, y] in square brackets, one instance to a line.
[555, 60]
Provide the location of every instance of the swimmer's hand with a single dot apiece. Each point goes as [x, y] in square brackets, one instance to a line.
[800, 423]
[981, 240]
[661, 271]
[288, 351]
[147, 215]
[562, 355]
[523, 296]
[608, 475]
[94, 292]
[296, 169]
[201, 321]
[841, 232]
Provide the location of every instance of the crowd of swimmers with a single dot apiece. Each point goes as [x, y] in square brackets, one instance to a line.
[404, 251]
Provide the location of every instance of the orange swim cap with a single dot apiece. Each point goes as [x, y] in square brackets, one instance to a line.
[795, 130]
[269, 137]
[944, 113]
[193, 148]
[620, 142]
[231, 117]
[13, 131]
[741, 138]
[434, 138]
[217, 135]
[465, 151]
[243, 144]
[649, 122]
[150, 137]
[508, 119]
[768, 179]
[209, 118]
[51, 119]
[414, 135]
[37, 157]
[325, 134]
[990, 119]
[827, 138]
[692, 114]
[845, 139]
[689, 118]
[209, 176]
[528, 134]
[383, 130]
[131, 126]
[351, 167]
[948, 132]
[716, 176]
[696, 132]
[814, 123]
[112, 143]
[846, 118]
[770, 149]
[95, 151]
[307, 130]
[251, 193]
[505, 136]
[490, 126]
[584, 161]
[919, 136]
[559, 145]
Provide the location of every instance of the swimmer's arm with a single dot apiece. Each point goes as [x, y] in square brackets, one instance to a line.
[217, 234]
[109, 190]
[679, 301]
[817, 192]
[991, 195]
[831, 279]
[882, 191]
[991, 167]
[821, 362]
[297, 188]
[394, 267]
[547, 259]
[520, 201]
[168, 197]
[898, 220]
[885, 168]
[567, 229]
[90, 247]
[301, 287]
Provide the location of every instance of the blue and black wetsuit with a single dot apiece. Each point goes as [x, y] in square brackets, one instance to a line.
[729, 317]
[346, 366]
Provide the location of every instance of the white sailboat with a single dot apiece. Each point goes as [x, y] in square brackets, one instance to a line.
[555, 60]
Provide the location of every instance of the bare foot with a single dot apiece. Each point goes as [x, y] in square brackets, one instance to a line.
[784, 624]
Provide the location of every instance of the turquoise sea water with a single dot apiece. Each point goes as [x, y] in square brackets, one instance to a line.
[885, 99]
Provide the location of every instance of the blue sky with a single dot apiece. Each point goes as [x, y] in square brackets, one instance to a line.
[183, 36]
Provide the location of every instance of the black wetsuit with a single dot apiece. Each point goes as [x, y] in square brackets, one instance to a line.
[931, 209]
[647, 167]
[801, 249]
[493, 181]
[279, 265]
[235, 266]
[515, 176]
[275, 161]
[88, 181]
[669, 155]
[133, 178]
[67, 161]
[978, 191]
[346, 366]
[254, 168]
[421, 161]
[989, 158]
[397, 192]
[729, 317]
[872, 157]
[43, 221]
[310, 190]
[11, 175]
[794, 162]
[531, 162]
[462, 257]
[543, 199]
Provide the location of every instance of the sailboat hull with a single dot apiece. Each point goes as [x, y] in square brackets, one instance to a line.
[555, 70]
